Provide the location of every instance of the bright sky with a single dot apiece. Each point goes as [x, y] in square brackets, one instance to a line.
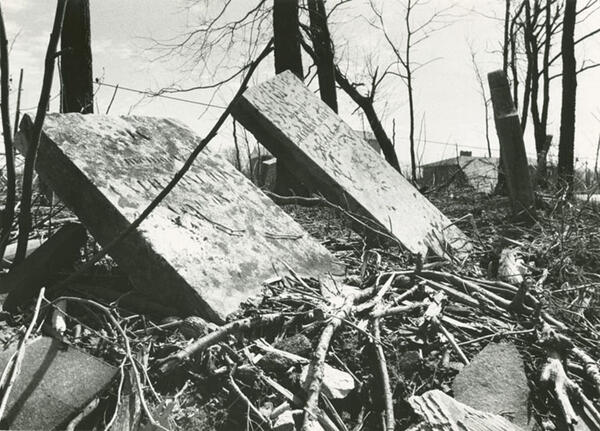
[446, 92]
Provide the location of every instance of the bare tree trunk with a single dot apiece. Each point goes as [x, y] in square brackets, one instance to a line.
[569, 95]
[506, 37]
[286, 33]
[323, 47]
[366, 104]
[409, 85]
[76, 60]
[288, 56]
[8, 215]
[512, 146]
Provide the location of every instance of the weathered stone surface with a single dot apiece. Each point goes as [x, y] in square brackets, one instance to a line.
[211, 242]
[55, 254]
[324, 152]
[495, 382]
[55, 383]
[443, 413]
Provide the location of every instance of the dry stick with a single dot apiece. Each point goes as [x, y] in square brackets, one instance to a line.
[112, 99]
[203, 343]
[173, 182]
[590, 366]
[553, 373]
[16, 369]
[9, 206]
[34, 140]
[243, 396]
[385, 377]
[118, 401]
[83, 414]
[18, 110]
[128, 352]
[316, 370]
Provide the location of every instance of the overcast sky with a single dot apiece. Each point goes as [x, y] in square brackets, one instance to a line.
[446, 92]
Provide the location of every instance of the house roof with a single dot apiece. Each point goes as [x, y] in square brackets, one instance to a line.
[459, 161]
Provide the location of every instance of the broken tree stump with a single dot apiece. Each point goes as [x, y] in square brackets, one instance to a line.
[512, 146]
[303, 132]
[55, 383]
[58, 252]
[210, 243]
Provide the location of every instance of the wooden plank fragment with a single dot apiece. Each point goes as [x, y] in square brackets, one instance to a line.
[212, 241]
[324, 152]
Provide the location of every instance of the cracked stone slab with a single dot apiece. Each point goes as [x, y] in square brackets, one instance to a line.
[326, 153]
[212, 241]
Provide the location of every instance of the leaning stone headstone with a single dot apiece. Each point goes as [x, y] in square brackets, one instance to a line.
[512, 146]
[55, 383]
[323, 151]
[212, 241]
[495, 382]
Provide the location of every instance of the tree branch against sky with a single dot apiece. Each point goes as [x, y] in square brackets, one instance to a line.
[415, 32]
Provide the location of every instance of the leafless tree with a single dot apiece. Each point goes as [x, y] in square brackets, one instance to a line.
[8, 215]
[406, 66]
[569, 95]
[484, 97]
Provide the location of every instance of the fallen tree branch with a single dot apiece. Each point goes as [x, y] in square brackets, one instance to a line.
[171, 362]
[390, 422]
[590, 366]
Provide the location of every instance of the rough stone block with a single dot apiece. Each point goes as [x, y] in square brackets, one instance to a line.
[212, 241]
[55, 383]
[57, 253]
[495, 382]
[324, 152]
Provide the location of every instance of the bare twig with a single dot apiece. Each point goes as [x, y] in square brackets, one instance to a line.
[385, 378]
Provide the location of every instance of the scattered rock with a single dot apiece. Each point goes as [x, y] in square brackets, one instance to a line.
[284, 422]
[495, 382]
[336, 384]
[511, 267]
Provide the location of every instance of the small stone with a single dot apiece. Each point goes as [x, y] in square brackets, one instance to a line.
[284, 422]
[336, 384]
[195, 327]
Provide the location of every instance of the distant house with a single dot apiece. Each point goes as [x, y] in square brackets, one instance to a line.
[481, 173]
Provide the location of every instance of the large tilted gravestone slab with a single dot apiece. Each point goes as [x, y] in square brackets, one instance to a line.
[208, 246]
[323, 151]
[56, 382]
